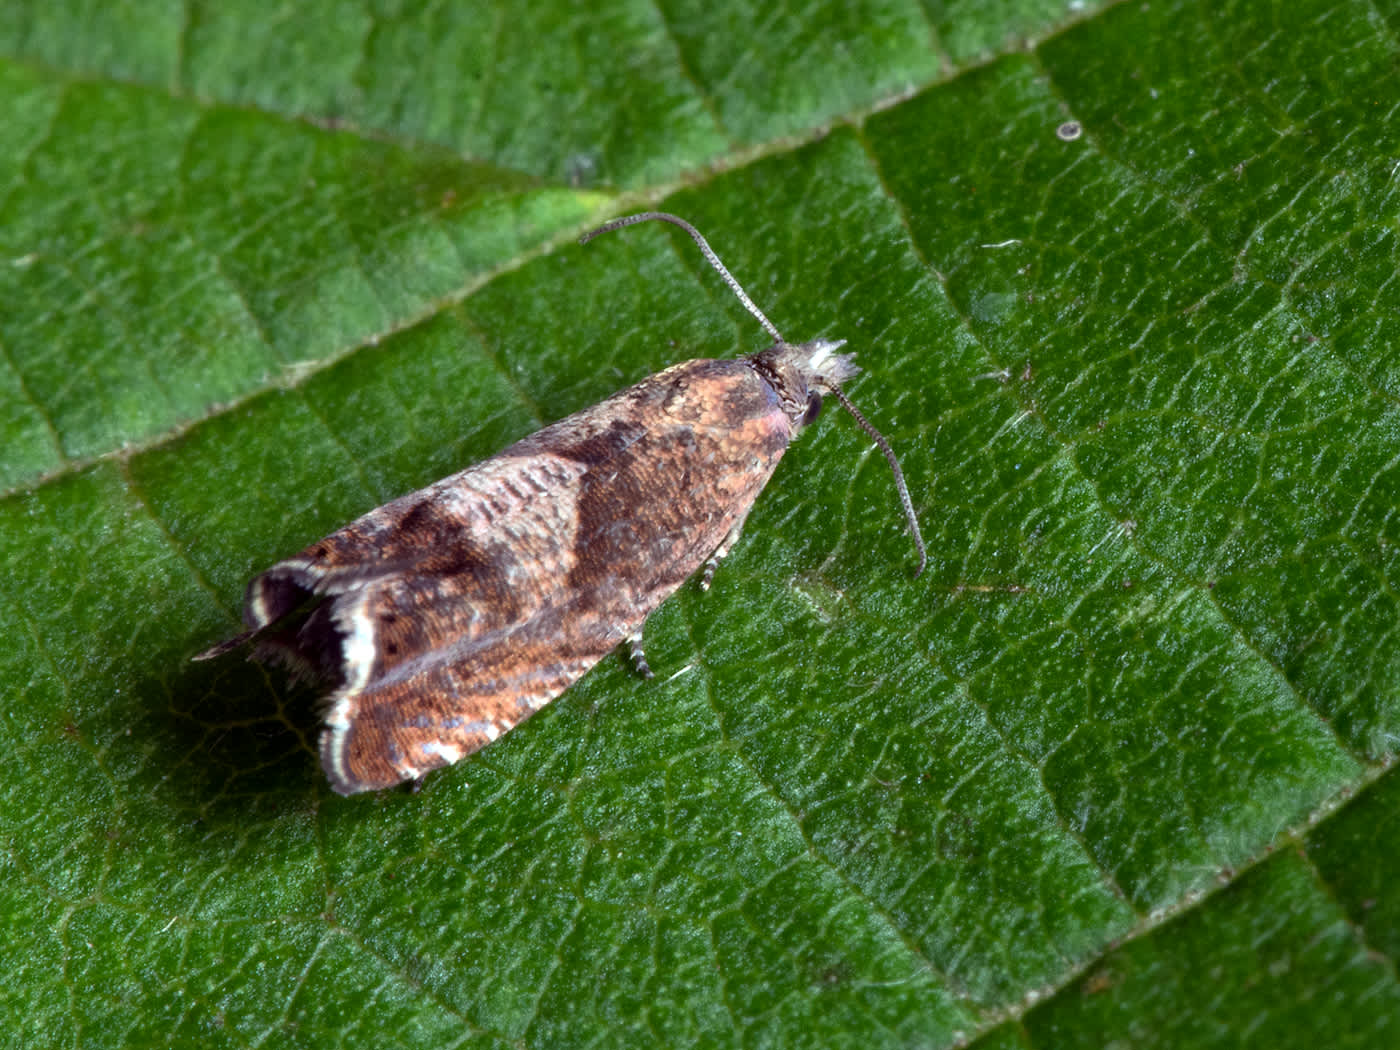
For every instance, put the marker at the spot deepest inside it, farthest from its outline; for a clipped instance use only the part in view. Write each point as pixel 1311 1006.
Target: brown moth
pixel 447 617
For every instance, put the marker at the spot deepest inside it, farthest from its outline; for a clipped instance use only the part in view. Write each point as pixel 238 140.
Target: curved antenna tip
pixel 705 249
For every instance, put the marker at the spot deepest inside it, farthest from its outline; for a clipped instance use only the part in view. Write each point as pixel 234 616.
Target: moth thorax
pixel 800 373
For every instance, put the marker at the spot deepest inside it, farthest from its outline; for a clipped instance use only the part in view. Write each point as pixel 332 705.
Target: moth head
pixel 801 373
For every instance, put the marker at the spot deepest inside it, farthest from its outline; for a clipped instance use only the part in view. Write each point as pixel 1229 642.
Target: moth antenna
pixel 899 484
pixel 705 249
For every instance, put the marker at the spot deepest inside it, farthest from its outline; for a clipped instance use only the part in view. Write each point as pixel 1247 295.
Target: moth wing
pixel 447 616
pixel 664 476
pixel 445 703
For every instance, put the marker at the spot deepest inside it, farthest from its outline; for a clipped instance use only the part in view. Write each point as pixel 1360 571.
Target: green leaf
pixel 1115 771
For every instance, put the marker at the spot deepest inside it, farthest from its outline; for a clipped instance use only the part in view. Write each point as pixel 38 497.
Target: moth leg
pixel 712 563
pixel 639 658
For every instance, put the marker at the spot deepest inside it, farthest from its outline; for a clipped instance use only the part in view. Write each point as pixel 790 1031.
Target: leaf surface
pixel 1115 771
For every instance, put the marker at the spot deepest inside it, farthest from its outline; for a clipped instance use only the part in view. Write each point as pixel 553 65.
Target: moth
pixel 447 617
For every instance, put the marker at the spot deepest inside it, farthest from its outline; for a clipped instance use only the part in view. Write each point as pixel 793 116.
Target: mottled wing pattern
pixel 453 613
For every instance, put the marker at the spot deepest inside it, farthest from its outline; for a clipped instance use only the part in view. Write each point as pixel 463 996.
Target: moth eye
pixel 814 407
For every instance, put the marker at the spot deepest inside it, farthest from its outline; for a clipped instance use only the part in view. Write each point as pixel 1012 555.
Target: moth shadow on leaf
pixel 242 735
